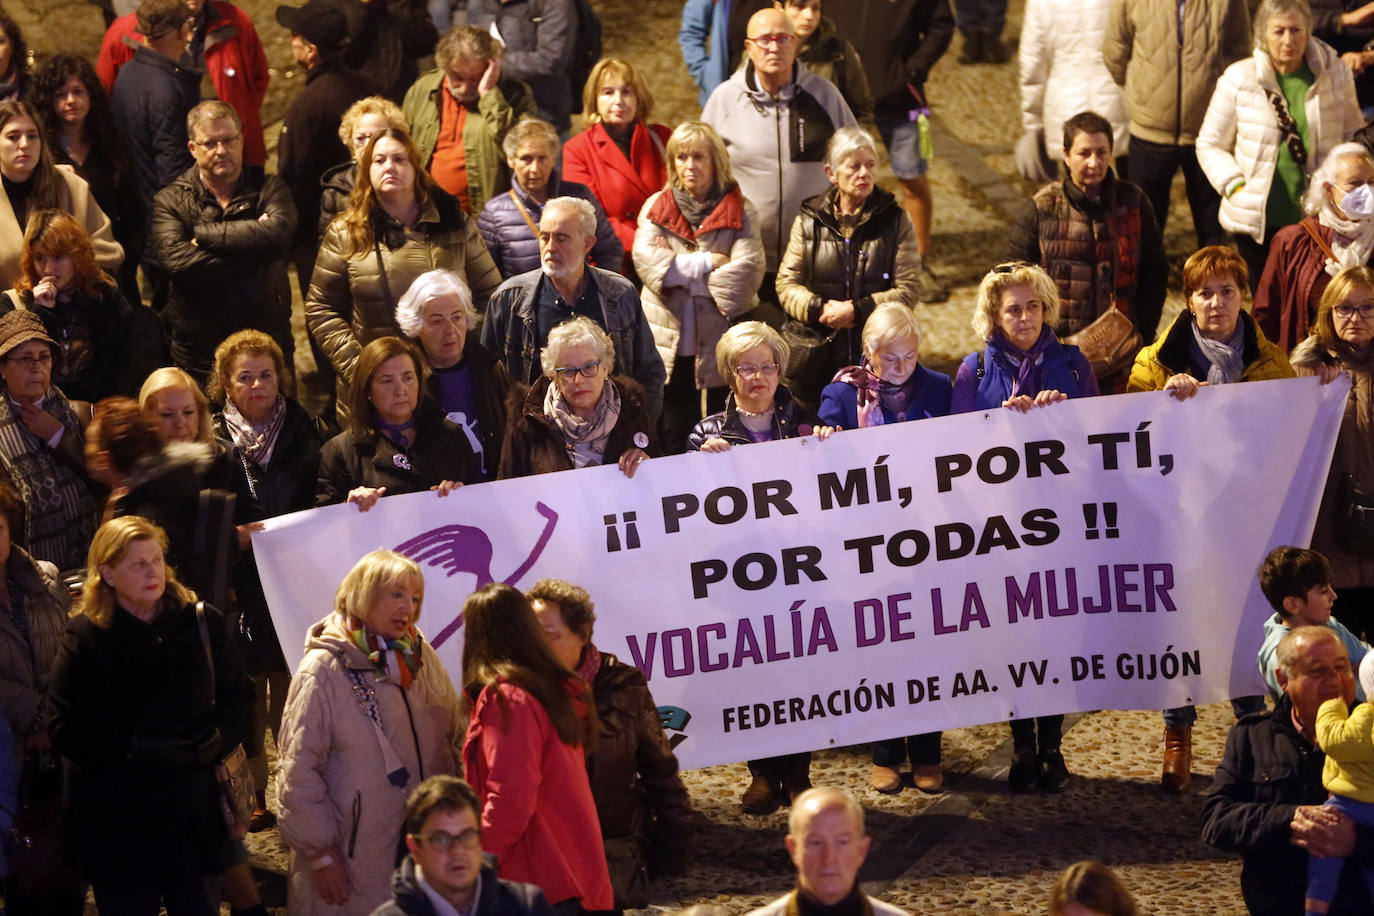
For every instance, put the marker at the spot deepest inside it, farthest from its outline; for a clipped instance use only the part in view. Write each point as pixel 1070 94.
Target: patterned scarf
pixel 585 439
pixel 382 651
pixel 61 516
pixel 874 394
pixel 1222 358
pixel 255 442
pixel 1027 362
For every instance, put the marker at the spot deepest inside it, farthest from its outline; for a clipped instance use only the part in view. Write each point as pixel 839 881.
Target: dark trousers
pixel 1355 608
pixel 1046 731
pixel 789 769
pixel 1254 254
pixel 183 894
pixel 682 404
pixel 1152 166
pixel 923 750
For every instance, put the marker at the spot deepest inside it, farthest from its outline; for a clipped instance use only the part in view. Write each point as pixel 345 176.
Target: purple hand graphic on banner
pixel 467 549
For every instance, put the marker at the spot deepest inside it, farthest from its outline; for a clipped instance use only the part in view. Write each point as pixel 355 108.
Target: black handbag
pixel 811 358
pixel 1355 521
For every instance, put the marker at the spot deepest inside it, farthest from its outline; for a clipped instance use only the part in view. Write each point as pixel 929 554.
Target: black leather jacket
pixel 790 421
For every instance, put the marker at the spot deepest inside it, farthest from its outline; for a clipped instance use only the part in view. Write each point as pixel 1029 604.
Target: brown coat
pixel 535 446
pixel 1292 284
pixel 1354 455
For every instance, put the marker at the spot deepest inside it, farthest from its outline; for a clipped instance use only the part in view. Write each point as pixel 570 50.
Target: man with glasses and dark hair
pixel 221 234
pixel 445 872
pixel 776 118
pixel 525 308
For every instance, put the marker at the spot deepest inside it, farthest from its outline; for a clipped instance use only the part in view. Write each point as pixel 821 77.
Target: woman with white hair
pixel 1272 117
pixel 371 712
pixel 466 379
pixel 510 222
pixel 577 414
pixel 698 252
pixel 1023 366
pixel 852 248
pixel 751 355
pixel 1337 233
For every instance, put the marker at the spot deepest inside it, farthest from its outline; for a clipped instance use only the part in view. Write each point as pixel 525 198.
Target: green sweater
pixel 1284 207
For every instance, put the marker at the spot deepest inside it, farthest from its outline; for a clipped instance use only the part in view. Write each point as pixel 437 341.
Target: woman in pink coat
pixel 531 721
pixel 620 156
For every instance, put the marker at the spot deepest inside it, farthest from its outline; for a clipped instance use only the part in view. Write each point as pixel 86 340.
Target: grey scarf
pixel 1223 358
pixel 585 439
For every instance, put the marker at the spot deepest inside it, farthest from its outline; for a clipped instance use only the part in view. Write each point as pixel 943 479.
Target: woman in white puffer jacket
pixel 1062 74
pixel 1241 146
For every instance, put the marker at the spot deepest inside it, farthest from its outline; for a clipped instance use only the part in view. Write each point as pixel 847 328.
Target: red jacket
pixel 622 186
pixel 233 55
pixel 538 816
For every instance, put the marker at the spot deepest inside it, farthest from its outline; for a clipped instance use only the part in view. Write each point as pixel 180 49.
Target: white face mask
pixel 1359 203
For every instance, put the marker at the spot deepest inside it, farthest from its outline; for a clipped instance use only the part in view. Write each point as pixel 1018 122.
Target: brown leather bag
pixel 1109 344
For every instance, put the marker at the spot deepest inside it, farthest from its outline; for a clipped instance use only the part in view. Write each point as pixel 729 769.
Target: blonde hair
pixel 889 323
pixel 1092 886
pixel 364 583
pixel 108 547
pixel 160 380
pixel 616 67
pixel 690 133
pixel 744 337
pixel 1341 288
pixel 373 104
pixel 987 310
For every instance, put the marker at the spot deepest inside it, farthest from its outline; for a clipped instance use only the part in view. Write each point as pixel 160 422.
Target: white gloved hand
pixel 1031 160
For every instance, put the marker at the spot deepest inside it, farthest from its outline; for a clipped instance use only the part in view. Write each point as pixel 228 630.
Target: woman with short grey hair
pixel 466 379
pixel 1337 233
pixel 510 222
pixel 1272 117
pixel 577 414
pixel 852 248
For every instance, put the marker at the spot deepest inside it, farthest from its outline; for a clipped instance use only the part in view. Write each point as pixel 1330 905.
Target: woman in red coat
pixel 620 156
pixel 531 719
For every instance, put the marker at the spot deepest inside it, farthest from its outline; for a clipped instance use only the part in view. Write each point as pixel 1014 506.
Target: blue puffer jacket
pixel 840 401
pixel 514 247
pixel 702 38
pixel 984 379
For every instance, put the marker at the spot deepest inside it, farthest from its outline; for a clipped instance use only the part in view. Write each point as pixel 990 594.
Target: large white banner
pixel 796 595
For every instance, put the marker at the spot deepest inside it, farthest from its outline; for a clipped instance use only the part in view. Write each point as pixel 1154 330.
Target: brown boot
pixel 1178 760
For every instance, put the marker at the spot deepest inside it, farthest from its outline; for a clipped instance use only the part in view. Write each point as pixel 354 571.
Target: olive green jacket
pixel 499 109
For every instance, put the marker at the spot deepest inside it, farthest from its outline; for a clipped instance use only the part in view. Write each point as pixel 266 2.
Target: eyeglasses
pixel 586 370
pixel 1346 312
pixel 442 841
pixel 775 40
pixel 28 362
pixel 1008 267
pixel 208 145
pixel 767 370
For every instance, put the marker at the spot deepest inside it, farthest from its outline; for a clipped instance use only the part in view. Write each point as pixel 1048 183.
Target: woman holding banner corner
pixel 1212 342
pixel 888 387
pixel 751 356
pixel 1023 366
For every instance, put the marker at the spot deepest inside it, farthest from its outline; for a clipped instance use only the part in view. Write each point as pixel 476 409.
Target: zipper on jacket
pixel 1178 78
pixel 357 819
pixel 777 132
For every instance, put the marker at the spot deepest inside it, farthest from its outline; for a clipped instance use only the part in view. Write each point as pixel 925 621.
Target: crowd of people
pixel 489 295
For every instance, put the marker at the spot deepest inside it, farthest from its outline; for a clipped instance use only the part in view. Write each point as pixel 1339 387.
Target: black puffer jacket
pixel 790 421
pixel 335 186
pixel 535 446
pixel 386 39
pixel 151 97
pixel 234 275
pixel 287 483
pixel 645 813
pixel 1267 771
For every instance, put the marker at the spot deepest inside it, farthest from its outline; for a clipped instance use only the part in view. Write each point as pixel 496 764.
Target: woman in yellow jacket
pixel 1213 342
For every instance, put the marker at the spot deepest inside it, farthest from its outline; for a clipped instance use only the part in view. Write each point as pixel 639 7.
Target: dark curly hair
pixel 99 129
pixel 19 49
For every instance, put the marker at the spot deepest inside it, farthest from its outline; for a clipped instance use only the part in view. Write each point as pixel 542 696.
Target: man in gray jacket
pixel 776 118
pixel 526 307
pixel 1168 55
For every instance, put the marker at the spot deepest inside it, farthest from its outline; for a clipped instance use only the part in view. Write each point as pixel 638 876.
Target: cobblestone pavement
pixel 974 848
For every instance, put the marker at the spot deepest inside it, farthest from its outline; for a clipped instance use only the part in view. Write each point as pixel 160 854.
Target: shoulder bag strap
pixel 525 213
pixel 1321 243
pixel 381 275
pixel 205 644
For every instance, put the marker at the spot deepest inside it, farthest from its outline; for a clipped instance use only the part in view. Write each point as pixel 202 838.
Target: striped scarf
pixel 61 516
pixel 405 652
